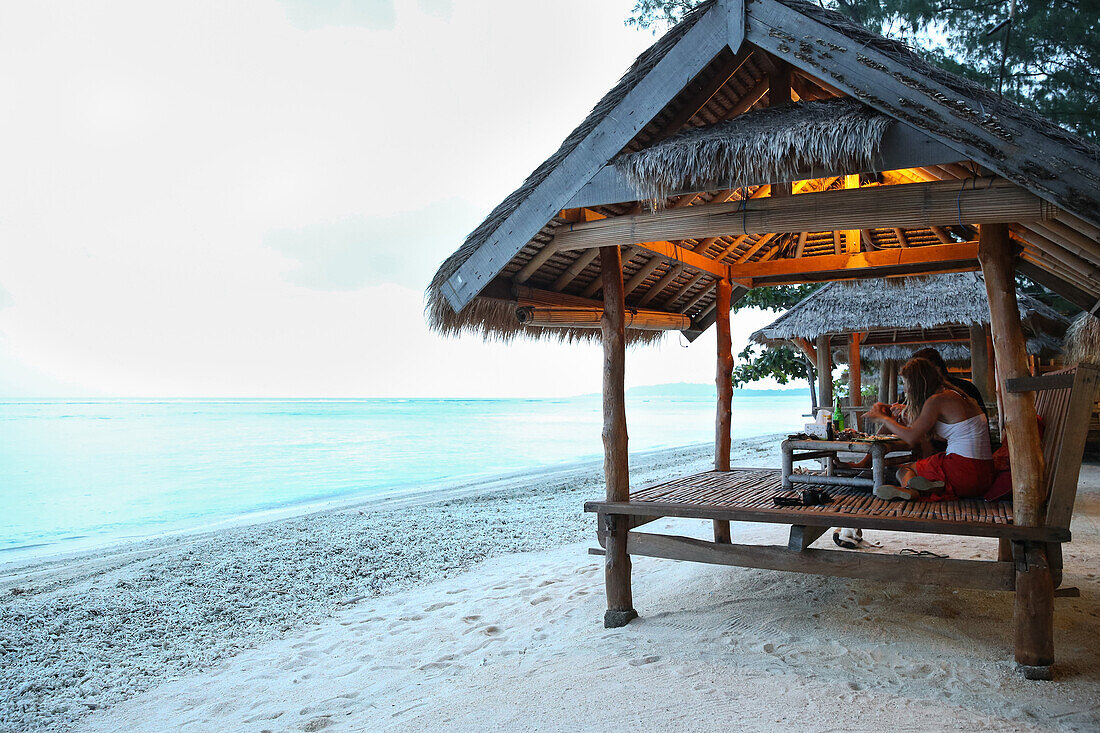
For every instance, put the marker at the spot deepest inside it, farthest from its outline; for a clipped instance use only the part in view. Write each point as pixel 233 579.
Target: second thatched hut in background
pixel 885 321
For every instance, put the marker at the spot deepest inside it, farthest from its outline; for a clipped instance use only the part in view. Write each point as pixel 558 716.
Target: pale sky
pixel 248 198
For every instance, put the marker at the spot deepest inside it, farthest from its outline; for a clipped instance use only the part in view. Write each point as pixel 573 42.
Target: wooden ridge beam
pixel 916 205
pixel 960 257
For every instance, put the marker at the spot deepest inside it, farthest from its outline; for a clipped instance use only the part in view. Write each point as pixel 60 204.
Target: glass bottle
pixel 838 416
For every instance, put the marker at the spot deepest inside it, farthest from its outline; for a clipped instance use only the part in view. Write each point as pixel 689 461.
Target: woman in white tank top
pixel 933 408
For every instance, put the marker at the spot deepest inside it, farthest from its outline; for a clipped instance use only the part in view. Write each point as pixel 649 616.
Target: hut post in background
pixel 824 373
pixel 620 604
pixel 893 396
pixel 855 377
pixel 979 363
pixel 724 381
pixel 1033 614
pixel 811 379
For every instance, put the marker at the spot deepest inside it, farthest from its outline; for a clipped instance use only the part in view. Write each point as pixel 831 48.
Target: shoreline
pixel 24 559
pixel 84 631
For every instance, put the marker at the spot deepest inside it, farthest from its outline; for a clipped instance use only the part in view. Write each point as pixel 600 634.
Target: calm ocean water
pixel 79 473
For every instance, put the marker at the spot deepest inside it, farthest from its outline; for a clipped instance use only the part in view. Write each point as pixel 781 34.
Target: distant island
pixel 686 389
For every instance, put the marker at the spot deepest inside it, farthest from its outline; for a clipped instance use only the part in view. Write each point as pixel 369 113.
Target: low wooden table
pixel 812 449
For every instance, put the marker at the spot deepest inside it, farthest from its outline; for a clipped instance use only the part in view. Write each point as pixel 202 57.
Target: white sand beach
pixel 485 611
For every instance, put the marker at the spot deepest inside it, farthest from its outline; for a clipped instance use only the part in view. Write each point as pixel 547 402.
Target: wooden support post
pixel 1034 608
pixel 802 537
pixel 893 382
pixel 979 363
pixel 824 372
pixel 779 93
pixel 884 381
pixel 620 605
pixel 1033 615
pixel 724 381
pixel 855 376
pixel 852 238
pixel 1021 426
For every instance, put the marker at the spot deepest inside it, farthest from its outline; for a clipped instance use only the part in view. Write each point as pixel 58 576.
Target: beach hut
pixel 884 321
pixel 774 142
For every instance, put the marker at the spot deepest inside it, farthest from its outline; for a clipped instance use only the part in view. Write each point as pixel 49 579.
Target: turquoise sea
pixel 80 473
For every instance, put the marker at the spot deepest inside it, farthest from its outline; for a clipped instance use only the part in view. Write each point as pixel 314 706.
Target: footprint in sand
pixel 644 660
pixel 437 606
pixel 471 619
pixel 317 723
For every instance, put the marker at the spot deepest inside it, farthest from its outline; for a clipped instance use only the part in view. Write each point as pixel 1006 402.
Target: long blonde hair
pixel 921 379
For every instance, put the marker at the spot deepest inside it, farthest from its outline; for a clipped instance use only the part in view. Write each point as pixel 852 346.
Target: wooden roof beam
pixel 668 278
pixel 667 305
pixel 910 206
pixel 961 257
pixel 910 94
pixel 609 134
pixel 702 97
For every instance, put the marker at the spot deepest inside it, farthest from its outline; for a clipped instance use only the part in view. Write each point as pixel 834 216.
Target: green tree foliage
pixel 780 297
pixel 781 364
pixel 1052 55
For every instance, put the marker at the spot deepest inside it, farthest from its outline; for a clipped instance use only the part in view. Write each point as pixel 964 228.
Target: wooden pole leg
pixel 620 603
pixel 1004 550
pixel 1033 615
pixel 722 531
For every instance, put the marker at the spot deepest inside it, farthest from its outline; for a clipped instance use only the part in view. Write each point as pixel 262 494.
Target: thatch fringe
pixel 1083 340
pixel 495 320
pixel 957 354
pixel 901 303
pixel 771 144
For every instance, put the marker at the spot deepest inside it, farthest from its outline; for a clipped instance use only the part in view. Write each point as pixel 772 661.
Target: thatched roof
pixel 908 310
pixel 1083 340
pixel 905 303
pixel 770 144
pixel 513 244
pixel 1043 345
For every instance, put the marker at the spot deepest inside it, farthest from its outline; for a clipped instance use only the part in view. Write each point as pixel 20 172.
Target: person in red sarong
pixel 935 409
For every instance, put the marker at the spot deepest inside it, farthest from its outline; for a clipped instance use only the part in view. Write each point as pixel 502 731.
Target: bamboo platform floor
pixel 745 494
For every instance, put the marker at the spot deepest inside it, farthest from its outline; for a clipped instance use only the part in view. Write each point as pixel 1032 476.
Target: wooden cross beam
pixel 961 257
pixel 916 205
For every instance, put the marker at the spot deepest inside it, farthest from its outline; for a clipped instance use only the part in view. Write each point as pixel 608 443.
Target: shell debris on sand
pixel 83 633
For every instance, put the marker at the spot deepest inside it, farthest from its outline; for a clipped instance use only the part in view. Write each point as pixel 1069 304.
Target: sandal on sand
pixel 921 484
pixel 849 539
pixel 888 492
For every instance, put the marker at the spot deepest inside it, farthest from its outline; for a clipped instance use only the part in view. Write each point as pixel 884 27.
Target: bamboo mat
pixel 753 488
